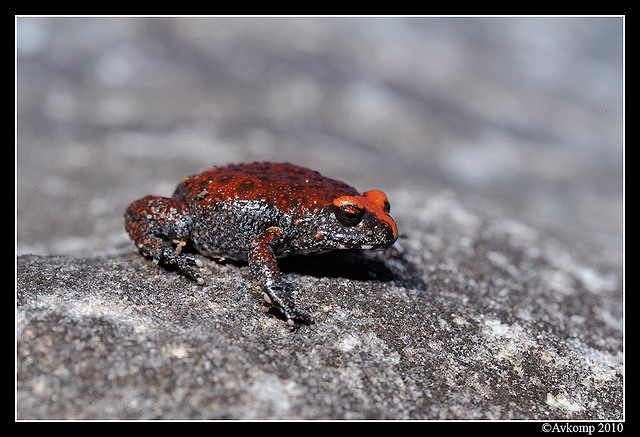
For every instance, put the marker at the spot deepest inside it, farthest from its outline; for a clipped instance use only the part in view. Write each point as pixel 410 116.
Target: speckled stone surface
pixel 498 142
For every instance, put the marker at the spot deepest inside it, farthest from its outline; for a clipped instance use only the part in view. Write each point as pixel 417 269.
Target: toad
pixel 257 213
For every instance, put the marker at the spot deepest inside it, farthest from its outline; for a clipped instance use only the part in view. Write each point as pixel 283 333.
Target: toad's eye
pixel 387 206
pixel 348 214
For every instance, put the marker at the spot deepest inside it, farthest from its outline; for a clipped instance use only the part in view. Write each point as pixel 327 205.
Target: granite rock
pixel 490 321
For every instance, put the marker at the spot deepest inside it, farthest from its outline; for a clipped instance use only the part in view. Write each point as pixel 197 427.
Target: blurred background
pixel 513 117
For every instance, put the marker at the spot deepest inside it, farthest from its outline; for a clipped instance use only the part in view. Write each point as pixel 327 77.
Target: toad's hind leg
pixel 159 227
pixel 264 268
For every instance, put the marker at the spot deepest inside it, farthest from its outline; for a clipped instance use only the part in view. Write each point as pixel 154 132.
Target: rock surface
pixel 498 142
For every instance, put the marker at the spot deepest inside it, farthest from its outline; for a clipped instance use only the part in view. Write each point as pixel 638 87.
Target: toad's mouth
pixel 356 246
pixel 382 245
pixel 380 242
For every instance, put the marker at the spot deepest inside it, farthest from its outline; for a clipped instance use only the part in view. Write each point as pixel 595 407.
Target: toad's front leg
pixel 264 268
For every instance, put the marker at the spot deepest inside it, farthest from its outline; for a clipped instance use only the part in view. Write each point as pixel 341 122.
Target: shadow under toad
pixel 358 265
